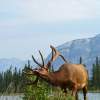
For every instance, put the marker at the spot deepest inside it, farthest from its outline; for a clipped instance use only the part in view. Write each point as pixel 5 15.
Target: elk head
pixel 44 68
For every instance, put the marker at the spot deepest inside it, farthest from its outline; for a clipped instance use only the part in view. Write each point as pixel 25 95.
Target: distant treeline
pixel 13 81
pixel 94 82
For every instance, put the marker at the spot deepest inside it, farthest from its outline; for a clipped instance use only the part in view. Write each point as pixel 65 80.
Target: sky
pixel 27 26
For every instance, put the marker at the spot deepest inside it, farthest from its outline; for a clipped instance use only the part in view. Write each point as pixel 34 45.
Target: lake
pixel 90 96
pixel 17 97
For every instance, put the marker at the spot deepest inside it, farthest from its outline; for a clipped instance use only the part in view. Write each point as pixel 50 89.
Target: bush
pixel 43 91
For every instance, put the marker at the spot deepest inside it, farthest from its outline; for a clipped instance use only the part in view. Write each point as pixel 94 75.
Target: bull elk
pixel 71 76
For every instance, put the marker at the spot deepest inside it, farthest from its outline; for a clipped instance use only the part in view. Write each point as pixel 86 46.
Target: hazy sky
pixel 29 25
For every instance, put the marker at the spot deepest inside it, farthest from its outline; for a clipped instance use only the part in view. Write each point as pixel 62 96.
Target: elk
pixel 71 76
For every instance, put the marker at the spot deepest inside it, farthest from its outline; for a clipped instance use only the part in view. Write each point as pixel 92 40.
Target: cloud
pixel 58 10
pixel 37 11
pixel 28 24
pixel 49 10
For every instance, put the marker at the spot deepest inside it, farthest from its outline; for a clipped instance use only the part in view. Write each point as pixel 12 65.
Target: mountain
pixel 14 62
pixel 88 49
pixel 6 63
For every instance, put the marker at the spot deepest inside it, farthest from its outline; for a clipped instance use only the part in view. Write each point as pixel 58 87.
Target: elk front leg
pixel 64 90
pixel 75 92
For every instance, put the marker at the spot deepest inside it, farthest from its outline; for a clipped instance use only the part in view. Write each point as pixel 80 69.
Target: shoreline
pixel 20 94
pixel 11 94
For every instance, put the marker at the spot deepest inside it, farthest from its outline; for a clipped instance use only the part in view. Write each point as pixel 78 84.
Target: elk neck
pixel 51 77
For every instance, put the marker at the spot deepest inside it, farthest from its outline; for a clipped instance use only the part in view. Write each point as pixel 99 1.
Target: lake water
pixel 90 96
pixel 17 97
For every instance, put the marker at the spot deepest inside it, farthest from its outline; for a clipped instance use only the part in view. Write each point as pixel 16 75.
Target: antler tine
pixel 36 61
pixel 49 63
pixel 54 57
pixel 57 53
pixel 41 57
pixel 63 58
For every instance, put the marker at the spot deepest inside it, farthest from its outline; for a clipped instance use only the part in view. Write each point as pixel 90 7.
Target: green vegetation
pixel 43 91
pixel 10 81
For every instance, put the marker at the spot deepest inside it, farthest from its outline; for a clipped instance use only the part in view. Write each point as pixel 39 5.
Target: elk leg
pixel 76 97
pixel 74 92
pixel 64 90
pixel 85 92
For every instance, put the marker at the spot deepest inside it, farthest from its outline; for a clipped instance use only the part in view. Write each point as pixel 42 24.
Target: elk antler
pixel 54 57
pixel 42 58
pixel 63 58
pixel 58 53
pixel 36 61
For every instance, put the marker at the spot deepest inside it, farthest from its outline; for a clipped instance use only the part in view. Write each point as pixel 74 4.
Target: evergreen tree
pixel 81 61
pixel 96 74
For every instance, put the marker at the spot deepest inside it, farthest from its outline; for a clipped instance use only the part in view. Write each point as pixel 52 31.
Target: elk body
pixel 71 76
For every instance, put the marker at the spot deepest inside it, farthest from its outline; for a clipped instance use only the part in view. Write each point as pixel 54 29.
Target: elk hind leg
pixel 76 97
pixel 85 92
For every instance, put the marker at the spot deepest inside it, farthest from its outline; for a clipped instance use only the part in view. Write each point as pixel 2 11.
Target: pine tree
pixel 81 61
pixel 96 74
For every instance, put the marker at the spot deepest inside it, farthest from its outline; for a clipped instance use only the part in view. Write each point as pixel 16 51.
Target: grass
pixel 59 95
